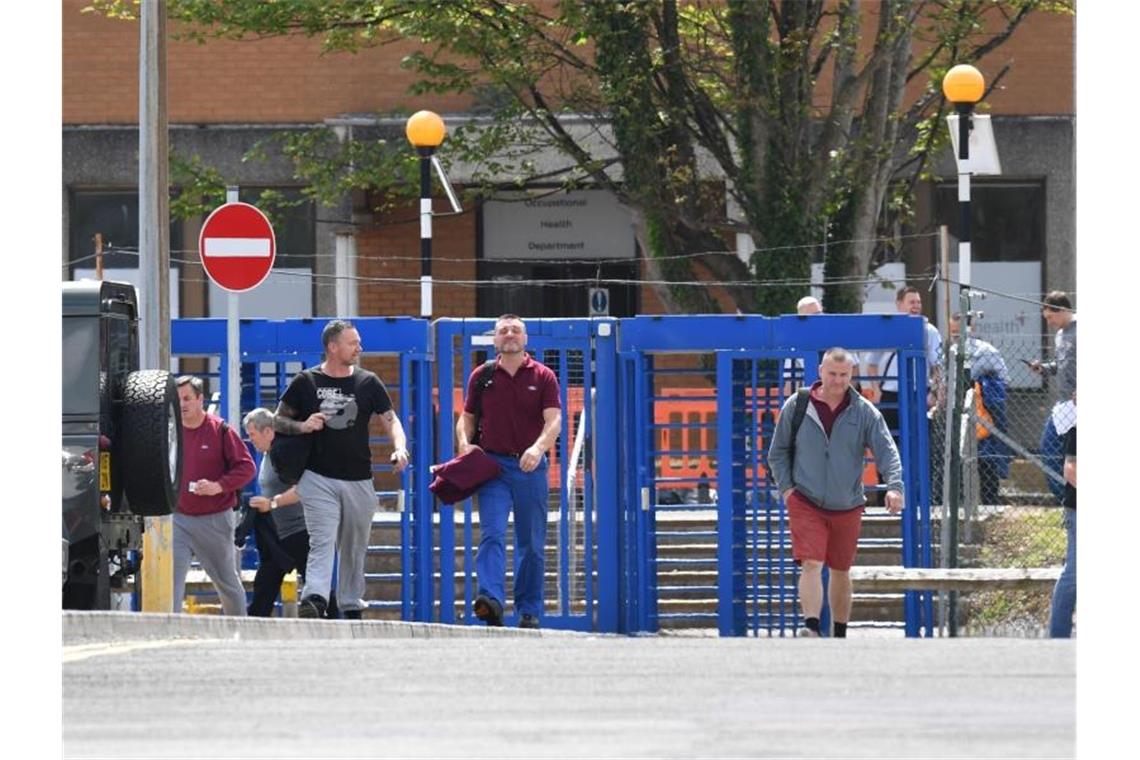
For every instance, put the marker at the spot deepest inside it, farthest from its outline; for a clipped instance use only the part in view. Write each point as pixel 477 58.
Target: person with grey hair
pixel 215 467
pixel 816 461
pixel 334 402
pixel 279 523
pixel 809 305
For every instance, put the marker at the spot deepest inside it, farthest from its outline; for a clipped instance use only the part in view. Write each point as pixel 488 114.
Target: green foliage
pixel 679 84
pixel 1031 537
pixel 1024 538
pixel 197 189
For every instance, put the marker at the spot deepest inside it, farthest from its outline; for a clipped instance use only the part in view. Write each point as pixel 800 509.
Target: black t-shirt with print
pixel 341 448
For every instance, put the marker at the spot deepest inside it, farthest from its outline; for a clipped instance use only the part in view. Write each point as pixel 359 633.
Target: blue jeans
pixel 1053 457
pixel 1065 592
pixel 526 493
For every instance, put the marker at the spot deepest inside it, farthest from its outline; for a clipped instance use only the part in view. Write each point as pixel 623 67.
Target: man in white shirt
pixel 885 392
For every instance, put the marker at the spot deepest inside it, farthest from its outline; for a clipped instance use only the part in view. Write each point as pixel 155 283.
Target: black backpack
pixel 802 398
pixel 289 454
pixel 483 382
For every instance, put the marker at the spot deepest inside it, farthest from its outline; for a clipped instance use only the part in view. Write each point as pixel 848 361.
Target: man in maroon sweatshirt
pixel 216 465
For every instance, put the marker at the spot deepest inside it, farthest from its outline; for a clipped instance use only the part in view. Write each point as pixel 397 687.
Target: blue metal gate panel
pixel 755 572
pixel 298 343
pixel 580 352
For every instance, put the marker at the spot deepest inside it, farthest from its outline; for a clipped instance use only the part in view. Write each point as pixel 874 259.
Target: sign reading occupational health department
pixel 537 225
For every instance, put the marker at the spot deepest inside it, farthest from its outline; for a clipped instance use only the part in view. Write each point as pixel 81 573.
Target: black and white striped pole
pixel 425 131
pixel 963 86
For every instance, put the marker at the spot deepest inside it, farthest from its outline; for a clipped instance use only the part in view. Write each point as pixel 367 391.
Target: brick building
pixel 223 96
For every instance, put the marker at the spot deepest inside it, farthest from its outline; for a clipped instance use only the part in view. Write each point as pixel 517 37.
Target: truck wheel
pixel 151 443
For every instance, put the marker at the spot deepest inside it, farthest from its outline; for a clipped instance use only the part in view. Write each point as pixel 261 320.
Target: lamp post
pixel 963 86
pixel 425 131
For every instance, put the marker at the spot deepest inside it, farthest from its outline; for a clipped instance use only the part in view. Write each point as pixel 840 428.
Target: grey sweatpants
pixel 211 539
pixel 338 515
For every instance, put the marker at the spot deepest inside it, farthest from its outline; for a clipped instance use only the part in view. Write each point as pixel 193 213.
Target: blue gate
pixel 272 352
pixel 745 366
pixel 660 494
pixel 580 588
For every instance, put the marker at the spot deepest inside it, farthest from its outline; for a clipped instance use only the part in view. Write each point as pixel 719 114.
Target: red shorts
pixel 822 535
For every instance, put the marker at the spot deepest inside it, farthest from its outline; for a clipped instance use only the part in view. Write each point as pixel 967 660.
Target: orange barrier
pixel 691 450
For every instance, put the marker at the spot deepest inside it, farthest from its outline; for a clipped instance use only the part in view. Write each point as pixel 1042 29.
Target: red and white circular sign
pixel 237 246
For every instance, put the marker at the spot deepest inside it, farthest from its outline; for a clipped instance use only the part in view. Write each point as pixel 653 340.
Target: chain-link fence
pixel 1012 412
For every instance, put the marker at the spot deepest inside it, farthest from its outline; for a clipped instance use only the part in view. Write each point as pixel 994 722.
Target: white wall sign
pixel 582 224
pixel 284 294
pixel 878 293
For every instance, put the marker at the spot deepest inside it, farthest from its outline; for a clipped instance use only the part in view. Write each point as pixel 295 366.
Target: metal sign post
pixel 233 346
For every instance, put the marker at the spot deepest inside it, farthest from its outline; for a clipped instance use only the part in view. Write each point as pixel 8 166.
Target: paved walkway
pixel 339 689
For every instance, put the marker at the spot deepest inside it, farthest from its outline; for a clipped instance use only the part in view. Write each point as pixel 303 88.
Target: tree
pixel 809 135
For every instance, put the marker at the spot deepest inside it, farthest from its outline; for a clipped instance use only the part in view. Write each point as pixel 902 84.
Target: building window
pixel 294 226
pixel 115 215
pixel 1007 219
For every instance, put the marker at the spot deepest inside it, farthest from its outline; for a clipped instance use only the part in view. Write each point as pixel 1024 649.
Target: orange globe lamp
pixel 425 129
pixel 963 84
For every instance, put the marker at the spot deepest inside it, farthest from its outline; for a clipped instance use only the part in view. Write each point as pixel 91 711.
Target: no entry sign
pixel 237 247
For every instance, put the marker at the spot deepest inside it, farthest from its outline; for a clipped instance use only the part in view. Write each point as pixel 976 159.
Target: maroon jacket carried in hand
pixel 458 478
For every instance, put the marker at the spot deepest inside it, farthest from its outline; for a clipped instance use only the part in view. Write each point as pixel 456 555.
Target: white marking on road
pixel 79 652
pixel 234 246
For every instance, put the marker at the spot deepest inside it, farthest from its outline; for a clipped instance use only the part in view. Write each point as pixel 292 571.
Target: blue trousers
pixel 1065 592
pixel 526 493
pixel 1053 457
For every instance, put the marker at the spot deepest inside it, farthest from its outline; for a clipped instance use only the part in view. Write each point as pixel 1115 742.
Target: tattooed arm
pixel 284 422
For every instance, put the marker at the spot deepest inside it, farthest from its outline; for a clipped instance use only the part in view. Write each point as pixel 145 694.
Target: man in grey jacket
pixel 820 475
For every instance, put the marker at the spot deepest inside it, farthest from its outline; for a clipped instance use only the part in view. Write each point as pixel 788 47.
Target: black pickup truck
pixel 122 442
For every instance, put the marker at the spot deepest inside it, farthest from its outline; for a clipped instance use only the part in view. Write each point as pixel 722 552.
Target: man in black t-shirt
pixel 334 401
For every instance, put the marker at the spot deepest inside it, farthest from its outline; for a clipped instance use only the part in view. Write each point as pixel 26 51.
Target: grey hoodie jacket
pixel 830 472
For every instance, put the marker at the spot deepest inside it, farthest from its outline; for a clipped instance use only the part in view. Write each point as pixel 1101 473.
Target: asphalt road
pixel 566 696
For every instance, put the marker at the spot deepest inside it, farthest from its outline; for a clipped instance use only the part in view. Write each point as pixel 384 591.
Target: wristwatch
pixel 273 503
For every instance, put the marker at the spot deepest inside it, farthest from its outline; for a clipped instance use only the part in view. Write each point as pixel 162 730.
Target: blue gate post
pixel 607 444
pixel 630 380
pixel 441 340
pixel 731 431
pixel 645 517
pixel 922 494
pixel 918 605
pixel 423 499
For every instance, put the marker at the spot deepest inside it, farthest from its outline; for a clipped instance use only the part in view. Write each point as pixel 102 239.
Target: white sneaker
pixel 806 633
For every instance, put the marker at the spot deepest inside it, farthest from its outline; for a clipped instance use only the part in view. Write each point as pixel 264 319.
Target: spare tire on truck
pixel 150 442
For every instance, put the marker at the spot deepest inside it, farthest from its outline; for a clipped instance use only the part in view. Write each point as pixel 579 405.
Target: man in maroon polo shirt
pixel 521 418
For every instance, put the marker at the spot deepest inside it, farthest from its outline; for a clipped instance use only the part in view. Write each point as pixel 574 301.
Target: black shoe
pixel 489 610
pixel 352 615
pixel 529 621
pixel 313 606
